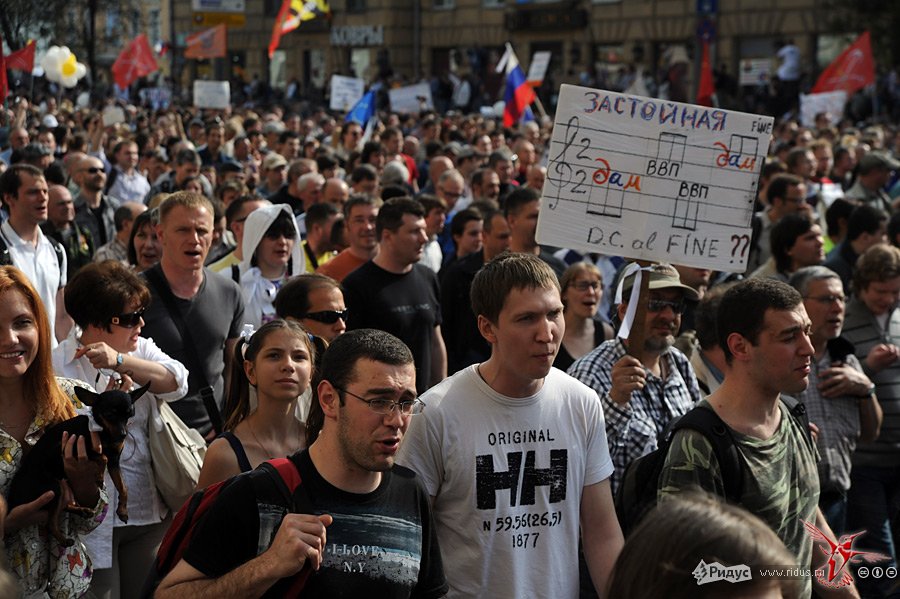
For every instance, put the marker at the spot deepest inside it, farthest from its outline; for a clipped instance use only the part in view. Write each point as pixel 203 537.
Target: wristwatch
pixel 120 358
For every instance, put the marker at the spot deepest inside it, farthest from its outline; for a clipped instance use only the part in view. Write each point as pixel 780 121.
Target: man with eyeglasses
pixel 641 397
pixel 840 398
pixel 514 452
pixel 381 540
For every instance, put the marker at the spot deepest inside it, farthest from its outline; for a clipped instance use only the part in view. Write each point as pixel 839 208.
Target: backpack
pixel 637 493
pixel 280 473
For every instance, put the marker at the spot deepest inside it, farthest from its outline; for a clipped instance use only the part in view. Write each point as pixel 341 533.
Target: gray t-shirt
pixel 214 315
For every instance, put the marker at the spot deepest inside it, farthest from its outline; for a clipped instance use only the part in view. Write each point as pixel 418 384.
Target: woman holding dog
pixel 276 363
pixel 107 301
pixel 31 399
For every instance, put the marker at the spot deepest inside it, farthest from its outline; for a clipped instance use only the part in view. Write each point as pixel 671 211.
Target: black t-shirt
pixel 404 305
pixel 464 342
pixel 381 544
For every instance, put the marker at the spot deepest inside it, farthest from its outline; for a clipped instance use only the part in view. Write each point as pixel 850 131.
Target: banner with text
pixel 212 94
pixel 653 180
pixel 346 92
pixel 411 99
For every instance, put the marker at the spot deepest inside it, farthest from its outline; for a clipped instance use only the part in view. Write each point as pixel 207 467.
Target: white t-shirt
pixel 507 476
pixel 789 70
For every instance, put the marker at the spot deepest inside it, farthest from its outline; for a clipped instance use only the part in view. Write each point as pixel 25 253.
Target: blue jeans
pixel 871 507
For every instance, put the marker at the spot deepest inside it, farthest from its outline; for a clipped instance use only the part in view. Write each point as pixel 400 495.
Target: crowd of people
pixel 373 303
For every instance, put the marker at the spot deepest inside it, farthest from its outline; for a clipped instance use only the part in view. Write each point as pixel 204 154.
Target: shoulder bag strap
pixel 168 298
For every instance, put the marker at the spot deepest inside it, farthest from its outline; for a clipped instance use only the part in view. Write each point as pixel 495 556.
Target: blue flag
pixel 363 110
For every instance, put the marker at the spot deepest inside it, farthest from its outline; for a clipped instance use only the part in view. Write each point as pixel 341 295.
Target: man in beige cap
pixel 641 397
pixel 274 174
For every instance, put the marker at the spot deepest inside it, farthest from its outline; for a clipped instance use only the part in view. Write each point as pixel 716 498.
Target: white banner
pixel 654 180
pixel 538 68
pixel 830 102
pixel 346 92
pixel 411 99
pixel 212 94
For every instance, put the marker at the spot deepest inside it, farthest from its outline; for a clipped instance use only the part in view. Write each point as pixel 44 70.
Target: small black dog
pixel 42 467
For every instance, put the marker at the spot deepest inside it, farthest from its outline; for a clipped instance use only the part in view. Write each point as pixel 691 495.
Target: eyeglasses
pixel 385 407
pixel 128 320
pixel 585 285
pixel 658 305
pixel 328 316
pixel 93 170
pixel 451 194
pixel 827 299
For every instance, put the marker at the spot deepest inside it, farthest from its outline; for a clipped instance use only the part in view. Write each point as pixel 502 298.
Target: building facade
pixel 590 40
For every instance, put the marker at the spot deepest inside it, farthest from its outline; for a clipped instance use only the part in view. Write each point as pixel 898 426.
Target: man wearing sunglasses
pixel 381 540
pixel 641 397
pixel 94 209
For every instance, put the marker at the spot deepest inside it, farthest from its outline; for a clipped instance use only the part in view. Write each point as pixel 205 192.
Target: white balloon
pixel 53 64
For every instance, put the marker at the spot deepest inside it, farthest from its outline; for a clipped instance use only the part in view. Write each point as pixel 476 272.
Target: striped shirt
pixel 863 330
pixel 632 429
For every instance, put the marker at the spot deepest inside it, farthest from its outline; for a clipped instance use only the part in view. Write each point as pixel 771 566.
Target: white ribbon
pixel 637 270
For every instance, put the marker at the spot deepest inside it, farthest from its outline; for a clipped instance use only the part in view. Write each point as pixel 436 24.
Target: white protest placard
pixel 831 102
pixel 113 115
pixel 652 180
pixel 755 71
pixel 411 99
pixel 212 94
pixel 538 68
pixel 346 92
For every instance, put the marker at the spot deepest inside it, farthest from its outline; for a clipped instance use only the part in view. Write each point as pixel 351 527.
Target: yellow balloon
pixel 68 67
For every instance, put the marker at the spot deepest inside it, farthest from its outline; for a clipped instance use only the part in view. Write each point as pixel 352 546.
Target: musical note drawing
pixel 561 172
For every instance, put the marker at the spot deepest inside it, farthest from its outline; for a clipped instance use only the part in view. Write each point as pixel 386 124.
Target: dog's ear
pixel 136 394
pixel 86 396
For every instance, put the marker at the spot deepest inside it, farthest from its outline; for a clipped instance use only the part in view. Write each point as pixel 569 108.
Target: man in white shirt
pixel 26 195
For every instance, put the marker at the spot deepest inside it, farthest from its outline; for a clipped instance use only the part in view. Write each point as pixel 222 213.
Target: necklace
pixel 270 454
pixel 265 449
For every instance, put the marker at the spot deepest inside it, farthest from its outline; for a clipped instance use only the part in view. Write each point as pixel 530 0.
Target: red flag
pixel 4 86
pixel 276 29
pixel 22 59
pixel 209 43
pixel 851 71
pixel 135 61
pixel 707 87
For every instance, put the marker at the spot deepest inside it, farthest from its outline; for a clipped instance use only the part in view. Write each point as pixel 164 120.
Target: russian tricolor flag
pixel 519 95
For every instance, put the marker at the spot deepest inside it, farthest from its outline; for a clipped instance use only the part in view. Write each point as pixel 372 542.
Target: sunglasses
pixel 93 170
pixel 328 316
pixel 658 305
pixel 129 320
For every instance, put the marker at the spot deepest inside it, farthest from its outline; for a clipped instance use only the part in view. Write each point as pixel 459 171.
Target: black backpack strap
pixel 236 273
pixel 58 248
pixel 798 411
pixel 156 280
pixel 5 258
pixel 705 421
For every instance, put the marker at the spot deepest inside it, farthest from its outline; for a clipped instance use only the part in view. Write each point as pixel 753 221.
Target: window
pixel 444 4
pixel 494 3
pixel 277 78
pixel 356 5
